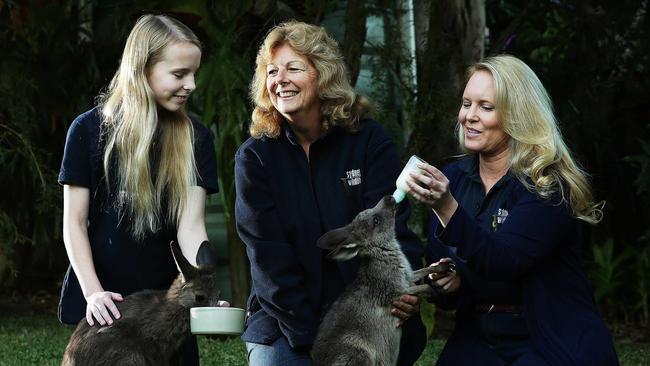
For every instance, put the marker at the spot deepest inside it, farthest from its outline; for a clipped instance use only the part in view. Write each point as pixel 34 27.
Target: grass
pixel 40 340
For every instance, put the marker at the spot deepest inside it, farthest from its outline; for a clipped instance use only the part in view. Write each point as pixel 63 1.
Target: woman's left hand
pixel 405 307
pixel 445 282
pixel 431 187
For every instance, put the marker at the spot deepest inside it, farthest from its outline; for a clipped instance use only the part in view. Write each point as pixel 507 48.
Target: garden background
pixel 408 56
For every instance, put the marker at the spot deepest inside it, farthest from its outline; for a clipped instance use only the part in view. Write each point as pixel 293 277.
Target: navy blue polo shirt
pixel 286 201
pixel 512 239
pixel 123 264
pixel 489 212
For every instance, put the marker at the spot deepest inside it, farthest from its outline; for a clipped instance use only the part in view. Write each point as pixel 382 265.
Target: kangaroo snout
pixel 389 201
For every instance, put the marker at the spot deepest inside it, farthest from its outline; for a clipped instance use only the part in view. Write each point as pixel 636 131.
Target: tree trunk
pixel 449 36
pixel 447 40
pixel 507 34
pixel 238 265
pixel 355 36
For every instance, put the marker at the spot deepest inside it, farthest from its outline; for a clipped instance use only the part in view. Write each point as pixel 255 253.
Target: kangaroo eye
pixel 199 298
pixel 375 220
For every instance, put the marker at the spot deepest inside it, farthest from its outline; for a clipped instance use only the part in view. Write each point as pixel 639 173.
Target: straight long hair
pixel 131 124
pixel 537 150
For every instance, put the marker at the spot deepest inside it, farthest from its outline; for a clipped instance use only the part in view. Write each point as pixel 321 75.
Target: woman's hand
pixel 431 187
pixel 405 307
pixel 101 305
pixel 445 282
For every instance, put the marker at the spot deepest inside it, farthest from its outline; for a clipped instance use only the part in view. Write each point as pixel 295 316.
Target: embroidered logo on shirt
pixel 499 218
pixel 352 178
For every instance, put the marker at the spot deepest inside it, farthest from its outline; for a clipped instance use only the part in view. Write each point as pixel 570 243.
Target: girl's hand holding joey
pixel 445 282
pixel 430 186
pixel 101 305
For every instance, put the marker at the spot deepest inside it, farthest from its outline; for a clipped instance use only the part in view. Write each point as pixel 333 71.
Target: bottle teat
pixel 399 195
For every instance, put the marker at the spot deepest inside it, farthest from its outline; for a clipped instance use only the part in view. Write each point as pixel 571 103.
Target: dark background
pixel 593 57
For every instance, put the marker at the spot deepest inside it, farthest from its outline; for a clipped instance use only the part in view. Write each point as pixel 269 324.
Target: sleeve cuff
pixel 73 178
pixel 452 233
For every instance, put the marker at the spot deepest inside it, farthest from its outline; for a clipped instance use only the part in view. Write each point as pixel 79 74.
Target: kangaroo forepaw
pixel 442 267
pixel 421 290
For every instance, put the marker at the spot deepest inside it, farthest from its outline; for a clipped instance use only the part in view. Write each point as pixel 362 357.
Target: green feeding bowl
pixel 217 320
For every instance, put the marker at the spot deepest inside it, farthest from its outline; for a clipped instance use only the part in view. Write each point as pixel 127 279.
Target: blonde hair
pixel 340 106
pixel 537 150
pixel 130 121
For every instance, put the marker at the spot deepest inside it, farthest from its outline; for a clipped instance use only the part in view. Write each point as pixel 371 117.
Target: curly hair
pixel 340 105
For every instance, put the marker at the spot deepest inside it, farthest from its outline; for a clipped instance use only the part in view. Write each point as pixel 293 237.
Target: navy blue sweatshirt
pixel 286 201
pixel 514 247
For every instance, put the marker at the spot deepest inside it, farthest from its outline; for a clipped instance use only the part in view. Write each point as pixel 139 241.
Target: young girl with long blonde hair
pixel 135 174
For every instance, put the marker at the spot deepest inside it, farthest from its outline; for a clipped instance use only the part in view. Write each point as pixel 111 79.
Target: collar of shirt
pixel 293 139
pixel 471 167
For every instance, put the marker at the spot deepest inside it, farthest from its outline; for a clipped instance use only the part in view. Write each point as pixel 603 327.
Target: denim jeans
pixel 278 353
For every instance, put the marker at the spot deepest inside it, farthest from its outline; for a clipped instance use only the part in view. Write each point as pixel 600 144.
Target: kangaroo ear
pixel 187 270
pixel 340 242
pixel 206 256
pixel 333 238
pixel 345 252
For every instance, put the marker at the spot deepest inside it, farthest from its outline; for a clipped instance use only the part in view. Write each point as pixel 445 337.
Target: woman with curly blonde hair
pixel 510 214
pixel 313 162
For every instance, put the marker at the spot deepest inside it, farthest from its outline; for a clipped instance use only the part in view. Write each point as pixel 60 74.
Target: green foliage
pixel 643 287
pixel 32 340
pixel 641 163
pixel 633 354
pixel 42 46
pixel 40 340
pixel 386 58
pixel 609 271
pixel 49 74
pixel 431 352
pixel 621 279
pixel 222 96
pixel 222 91
pixel 592 56
pixel 230 352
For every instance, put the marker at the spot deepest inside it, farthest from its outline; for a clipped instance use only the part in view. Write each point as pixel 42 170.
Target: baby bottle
pixel 402 188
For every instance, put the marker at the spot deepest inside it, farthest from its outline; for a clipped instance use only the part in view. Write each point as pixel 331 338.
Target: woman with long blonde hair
pixel 313 162
pixel 135 174
pixel 510 214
